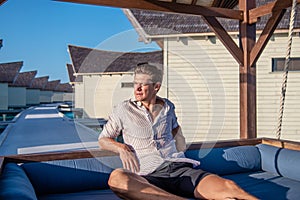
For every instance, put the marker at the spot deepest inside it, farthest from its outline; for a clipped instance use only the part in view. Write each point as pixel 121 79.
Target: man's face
pixel 144 88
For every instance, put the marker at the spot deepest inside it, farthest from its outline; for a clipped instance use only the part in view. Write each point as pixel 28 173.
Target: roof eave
pixel 137 26
pixel 102 73
pixel 233 33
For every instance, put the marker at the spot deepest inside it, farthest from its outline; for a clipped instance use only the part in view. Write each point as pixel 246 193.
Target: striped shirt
pixel 152 140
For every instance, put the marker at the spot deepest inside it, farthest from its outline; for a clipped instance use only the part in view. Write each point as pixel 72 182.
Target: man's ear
pixel 157 86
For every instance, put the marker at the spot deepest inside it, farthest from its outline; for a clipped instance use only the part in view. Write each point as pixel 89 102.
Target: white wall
pixel 46 96
pixel 68 96
pixel 269 92
pixel 58 97
pixel 79 95
pixel 32 96
pixel 97 95
pixel 3 96
pixel 62 96
pixel 16 96
pixel 102 93
pixel 204 85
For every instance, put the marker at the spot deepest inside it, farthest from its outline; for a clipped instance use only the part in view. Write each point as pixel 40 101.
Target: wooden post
pixel 247 74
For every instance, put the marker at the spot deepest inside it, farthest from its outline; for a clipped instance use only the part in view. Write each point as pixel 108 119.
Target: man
pixel 152 153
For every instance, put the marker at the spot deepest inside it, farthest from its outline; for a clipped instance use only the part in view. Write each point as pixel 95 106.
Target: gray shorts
pixel 178 178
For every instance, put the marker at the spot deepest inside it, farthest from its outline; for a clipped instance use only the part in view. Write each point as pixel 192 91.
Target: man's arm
pixel 179 139
pixel 127 154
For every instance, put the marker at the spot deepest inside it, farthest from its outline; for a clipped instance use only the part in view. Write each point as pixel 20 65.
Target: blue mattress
pixel 266 185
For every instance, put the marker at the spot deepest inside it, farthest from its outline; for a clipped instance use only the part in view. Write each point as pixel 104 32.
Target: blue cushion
pixel 284 162
pixel 227 160
pixel 86 195
pixel 14 184
pixel 266 185
pixel 51 179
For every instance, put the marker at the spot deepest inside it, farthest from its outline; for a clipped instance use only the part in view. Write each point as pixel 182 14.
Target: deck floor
pixel 44 129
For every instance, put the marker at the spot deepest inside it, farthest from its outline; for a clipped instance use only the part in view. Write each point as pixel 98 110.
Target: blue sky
pixel 38 32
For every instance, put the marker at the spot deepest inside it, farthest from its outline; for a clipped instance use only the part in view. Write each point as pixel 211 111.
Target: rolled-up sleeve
pixel 173 115
pixel 113 127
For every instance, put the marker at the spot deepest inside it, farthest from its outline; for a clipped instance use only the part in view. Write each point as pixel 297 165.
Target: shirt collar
pixel 139 104
pixel 135 102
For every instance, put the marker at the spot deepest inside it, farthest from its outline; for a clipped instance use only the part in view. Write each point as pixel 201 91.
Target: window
pixel 127 85
pixel 278 64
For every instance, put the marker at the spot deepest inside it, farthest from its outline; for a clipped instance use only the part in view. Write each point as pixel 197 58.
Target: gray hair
pixel 154 70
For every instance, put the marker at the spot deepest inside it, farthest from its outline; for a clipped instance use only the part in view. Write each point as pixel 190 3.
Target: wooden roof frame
pixel 2 2
pixel 246 53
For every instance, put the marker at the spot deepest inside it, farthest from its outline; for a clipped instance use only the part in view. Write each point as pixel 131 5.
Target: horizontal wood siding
pixel 203 82
pixel 79 95
pixel 46 96
pixel 58 97
pixel 32 96
pixel 16 96
pixel 3 96
pixel 68 96
pixel 99 94
pixel 269 92
pixel 104 92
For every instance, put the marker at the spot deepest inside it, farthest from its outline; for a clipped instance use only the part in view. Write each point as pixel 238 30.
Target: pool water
pixel 2 128
pixel 68 114
pixel 7 117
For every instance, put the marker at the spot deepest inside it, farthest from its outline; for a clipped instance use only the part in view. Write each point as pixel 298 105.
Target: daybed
pixel 261 166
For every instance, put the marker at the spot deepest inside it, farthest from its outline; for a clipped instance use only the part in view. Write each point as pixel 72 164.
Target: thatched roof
pixel 72 77
pixel 87 60
pixel 39 83
pixel 9 71
pixel 24 79
pixel 64 87
pixel 153 23
pixel 51 85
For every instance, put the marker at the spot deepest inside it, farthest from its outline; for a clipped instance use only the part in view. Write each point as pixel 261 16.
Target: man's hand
pixel 127 153
pixel 129 158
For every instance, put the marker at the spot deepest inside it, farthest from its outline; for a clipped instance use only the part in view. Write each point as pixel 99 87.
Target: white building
pixel 203 78
pixel 36 87
pixel 8 74
pixel 19 95
pixel 3 96
pixel 63 93
pixel 77 85
pixel 104 77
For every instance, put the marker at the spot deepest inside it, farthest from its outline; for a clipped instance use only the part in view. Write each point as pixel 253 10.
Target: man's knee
pixel 230 185
pixel 214 186
pixel 118 179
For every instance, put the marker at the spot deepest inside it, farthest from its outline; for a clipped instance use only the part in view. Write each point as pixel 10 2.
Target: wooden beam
pixel 138 4
pixel 225 38
pixel 39 157
pixel 156 5
pixel 216 3
pixel 247 76
pixel 268 8
pixel 282 143
pixel 224 143
pixel 194 2
pixel 200 10
pixel 265 36
pixel 160 43
pixel 2 2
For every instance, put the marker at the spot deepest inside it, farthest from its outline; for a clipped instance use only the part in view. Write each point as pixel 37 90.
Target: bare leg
pixel 128 185
pixel 215 187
